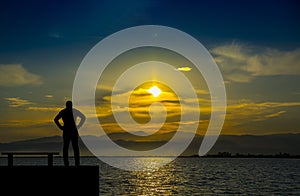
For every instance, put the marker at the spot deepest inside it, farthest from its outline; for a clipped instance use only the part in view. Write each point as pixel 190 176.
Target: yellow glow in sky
pixel 184 68
pixel 155 91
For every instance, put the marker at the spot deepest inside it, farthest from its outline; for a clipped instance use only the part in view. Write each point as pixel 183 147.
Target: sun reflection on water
pixel 139 163
pixel 153 181
pixel 156 181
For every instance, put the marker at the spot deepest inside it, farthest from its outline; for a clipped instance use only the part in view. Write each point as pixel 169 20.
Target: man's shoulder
pixel 60 113
pixel 77 112
pixel 63 111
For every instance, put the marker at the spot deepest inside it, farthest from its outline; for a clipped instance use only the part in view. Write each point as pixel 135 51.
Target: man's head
pixel 69 104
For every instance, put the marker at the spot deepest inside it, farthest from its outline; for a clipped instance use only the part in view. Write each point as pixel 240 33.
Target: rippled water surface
pixel 195 176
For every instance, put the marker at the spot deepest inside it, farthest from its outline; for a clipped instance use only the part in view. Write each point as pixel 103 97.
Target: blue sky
pixel 255 43
pixel 34 24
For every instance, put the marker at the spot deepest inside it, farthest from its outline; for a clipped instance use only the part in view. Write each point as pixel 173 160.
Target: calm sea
pixel 194 176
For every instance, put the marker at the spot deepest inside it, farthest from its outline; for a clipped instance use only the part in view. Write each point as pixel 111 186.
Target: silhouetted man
pixel 70 130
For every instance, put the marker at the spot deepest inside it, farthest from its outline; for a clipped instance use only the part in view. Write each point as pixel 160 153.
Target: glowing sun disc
pixel 155 91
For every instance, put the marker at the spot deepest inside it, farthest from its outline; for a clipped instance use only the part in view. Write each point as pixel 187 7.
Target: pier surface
pixel 49 180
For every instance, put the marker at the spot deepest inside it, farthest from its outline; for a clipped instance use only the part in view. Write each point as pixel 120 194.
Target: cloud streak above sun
pixel 184 69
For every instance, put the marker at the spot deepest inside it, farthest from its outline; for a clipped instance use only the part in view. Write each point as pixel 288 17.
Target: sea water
pixel 192 176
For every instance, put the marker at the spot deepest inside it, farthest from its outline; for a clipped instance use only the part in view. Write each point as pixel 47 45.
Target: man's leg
pixel 66 149
pixel 76 149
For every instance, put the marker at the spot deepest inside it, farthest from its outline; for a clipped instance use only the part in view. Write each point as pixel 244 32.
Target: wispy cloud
pixel 241 63
pixel 276 114
pixel 202 92
pixel 17 102
pixel 43 109
pixel 263 105
pixel 56 35
pixel 49 96
pixel 239 113
pixel 26 123
pixel 17 75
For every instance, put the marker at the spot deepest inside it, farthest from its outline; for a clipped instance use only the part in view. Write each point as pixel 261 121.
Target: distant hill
pixel 244 144
pixel 251 144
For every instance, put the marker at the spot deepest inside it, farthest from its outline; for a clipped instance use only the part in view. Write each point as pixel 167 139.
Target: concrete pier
pixel 49 180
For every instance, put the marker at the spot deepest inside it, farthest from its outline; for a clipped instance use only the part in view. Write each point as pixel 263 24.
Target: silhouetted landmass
pixel 250 145
pixel 229 155
pixel 279 145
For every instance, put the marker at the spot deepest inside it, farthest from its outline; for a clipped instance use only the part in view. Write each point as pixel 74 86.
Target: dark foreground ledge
pixel 45 180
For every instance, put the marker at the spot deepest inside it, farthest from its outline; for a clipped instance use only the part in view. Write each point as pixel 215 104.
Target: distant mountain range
pixel 244 144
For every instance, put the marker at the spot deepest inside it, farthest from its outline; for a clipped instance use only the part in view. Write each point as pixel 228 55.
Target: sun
pixel 155 91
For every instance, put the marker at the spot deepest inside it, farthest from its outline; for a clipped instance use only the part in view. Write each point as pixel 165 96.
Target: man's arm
pixel 56 120
pixel 82 118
